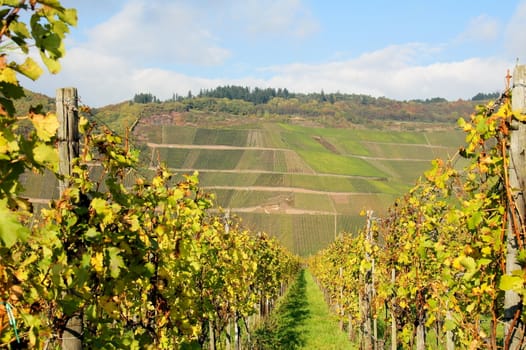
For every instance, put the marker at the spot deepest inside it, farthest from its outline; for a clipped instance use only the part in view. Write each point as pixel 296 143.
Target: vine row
pixel 435 265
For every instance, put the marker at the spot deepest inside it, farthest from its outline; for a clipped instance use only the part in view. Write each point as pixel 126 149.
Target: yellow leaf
pixel 519 116
pixel 110 306
pixel 45 125
pixel 29 68
pixel 97 262
pixel 486 251
pixel 8 75
pixel 457 263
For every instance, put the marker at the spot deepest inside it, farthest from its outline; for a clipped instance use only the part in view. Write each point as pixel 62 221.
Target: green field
pixel 301 184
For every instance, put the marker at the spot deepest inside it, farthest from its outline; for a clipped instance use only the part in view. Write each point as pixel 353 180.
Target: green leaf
pixel 509 282
pixel 99 205
pixel 521 257
pixel 11 230
pixel 92 232
pixel 69 16
pixel 46 155
pixel 469 263
pixel 484 261
pixel 19 28
pixel 116 261
pixel 8 75
pixel 150 268
pixel 52 3
pixel 449 325
pixel 11 91
pixel 471 307
pixel 474 220
pixel 52 64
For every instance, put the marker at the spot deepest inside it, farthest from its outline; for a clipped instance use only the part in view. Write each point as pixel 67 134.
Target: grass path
pixel 320 329
pixel 302 321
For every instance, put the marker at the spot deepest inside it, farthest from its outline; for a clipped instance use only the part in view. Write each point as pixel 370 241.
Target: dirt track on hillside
pixel 225 148
pixel 283 189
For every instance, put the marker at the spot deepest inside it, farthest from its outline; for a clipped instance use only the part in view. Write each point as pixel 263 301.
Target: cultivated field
pixel 304 185
pixel 301 184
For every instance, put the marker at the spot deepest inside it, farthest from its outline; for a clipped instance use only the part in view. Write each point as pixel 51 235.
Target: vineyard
pixel 132 257
pixel 445 267
pixel 277 179
pixel 261 172
pixel 118 260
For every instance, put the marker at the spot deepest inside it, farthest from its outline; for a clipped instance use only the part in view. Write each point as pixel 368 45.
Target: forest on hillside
pixel 356 108
pixel 226 106
pixel 233 105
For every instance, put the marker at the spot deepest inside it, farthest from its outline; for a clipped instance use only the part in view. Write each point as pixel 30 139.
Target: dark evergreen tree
pixel 145 98
pixel 482 96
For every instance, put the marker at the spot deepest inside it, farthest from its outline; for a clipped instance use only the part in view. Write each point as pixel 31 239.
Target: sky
pixel 407 49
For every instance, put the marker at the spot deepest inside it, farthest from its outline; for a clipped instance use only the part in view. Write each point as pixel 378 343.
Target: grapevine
pixel 444 241
pixel 142 260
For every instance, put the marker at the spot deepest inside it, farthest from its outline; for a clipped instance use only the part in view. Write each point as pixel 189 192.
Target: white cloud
pixel 375 73
pixel 158 32
pixel 133 51
pixel 104 79
pixel 482 29
pixel 275 17
pixel 516 35
pixel 164 32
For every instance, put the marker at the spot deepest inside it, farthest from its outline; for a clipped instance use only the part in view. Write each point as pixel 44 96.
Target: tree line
pixel 259 95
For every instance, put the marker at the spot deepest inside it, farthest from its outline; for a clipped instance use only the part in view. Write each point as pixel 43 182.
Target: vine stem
pixel 10 18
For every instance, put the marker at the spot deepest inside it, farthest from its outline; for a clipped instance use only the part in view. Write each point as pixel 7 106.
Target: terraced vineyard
pixel 301 184
pixel 304 185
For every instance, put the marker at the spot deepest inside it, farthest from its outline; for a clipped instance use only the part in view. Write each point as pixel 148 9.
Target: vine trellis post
pixel 514 331
pixel 68 132
pixel 369 339
pixel 68 149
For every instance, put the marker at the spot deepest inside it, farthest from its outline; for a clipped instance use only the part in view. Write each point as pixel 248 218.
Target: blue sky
pixel 397 49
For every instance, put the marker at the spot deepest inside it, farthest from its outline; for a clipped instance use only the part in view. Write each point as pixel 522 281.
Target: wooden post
pixel 228 343
pixel 514 331
pixel 394 344
pixel 420 336
pixel 68 149
pixel 375 321
pixel 350 329
pixel 450 342
pixel 237 333
pixel 335 225
pixel 368 336
pixel 211 335
pixel 340 300
pixel 68 131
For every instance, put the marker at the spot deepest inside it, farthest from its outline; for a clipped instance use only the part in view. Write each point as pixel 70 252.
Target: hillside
pixel 303 177
pixel 334 110
pixel 302 184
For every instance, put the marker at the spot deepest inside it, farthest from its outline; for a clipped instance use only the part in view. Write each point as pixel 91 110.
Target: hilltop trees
pixel 145 98
pixel 485 96
pixel 256 95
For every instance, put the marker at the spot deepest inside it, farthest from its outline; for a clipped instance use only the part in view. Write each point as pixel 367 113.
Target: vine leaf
pixel 116 261
pixel 29 69
pixel 45 125
pixel 510 282
pixel 11 230
pixel 46 155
